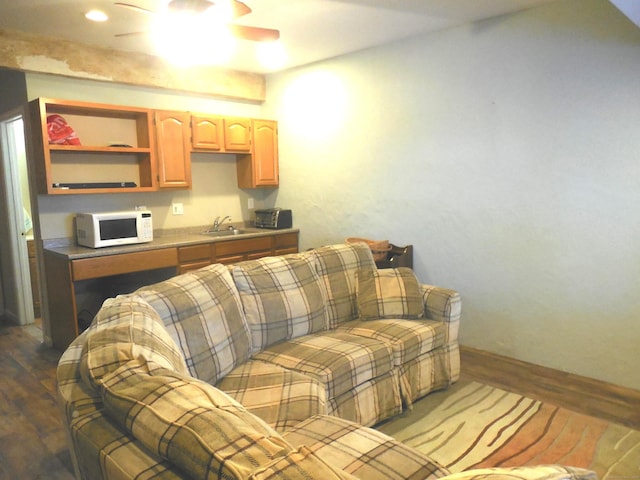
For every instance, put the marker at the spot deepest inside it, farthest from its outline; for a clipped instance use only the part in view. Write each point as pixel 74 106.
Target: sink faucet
pixel 217 222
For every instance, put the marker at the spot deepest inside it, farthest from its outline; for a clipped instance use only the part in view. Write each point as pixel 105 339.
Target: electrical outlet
pixel 250 203
pixel 177 208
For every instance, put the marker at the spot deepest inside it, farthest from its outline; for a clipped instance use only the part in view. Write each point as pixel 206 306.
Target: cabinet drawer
pixel 243 246
pixel 287 240
pixel 96 267
pixel 194 252
pixel 229 259
pixel 187 267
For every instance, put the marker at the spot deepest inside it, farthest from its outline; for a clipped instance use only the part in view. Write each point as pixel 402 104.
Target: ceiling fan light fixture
pixel 187 40
pixel 96 16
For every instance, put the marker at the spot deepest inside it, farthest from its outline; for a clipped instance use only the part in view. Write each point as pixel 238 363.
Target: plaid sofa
pixel 266 369
pixel 270 368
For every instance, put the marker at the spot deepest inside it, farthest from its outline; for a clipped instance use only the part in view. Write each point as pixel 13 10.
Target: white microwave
pixel 109 229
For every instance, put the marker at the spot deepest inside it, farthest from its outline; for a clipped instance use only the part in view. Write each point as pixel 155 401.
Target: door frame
pixel 18 253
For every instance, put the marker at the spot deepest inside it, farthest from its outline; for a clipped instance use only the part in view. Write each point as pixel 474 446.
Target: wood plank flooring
pixel 32 438
pixel 33 443
pixel 586 395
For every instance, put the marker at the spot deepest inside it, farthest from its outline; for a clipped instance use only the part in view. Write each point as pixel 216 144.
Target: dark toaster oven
pixel 274 218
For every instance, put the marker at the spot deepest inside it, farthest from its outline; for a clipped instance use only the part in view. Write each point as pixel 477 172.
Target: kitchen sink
pixel 225 233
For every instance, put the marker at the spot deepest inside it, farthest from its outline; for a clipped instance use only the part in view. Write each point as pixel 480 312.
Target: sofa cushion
pixel 194 425
pixel 126 327
pixel 338 360
pixel 282 298
pixel 301 464
pixel 280 397
pixel 408 338
pixel 337 266
pixel 388 293
pixel 202 312
pixel 363 452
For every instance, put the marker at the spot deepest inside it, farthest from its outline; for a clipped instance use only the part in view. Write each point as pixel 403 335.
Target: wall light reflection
pixel 315 105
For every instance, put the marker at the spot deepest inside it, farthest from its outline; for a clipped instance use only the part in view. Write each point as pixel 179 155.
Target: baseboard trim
pixel 587 395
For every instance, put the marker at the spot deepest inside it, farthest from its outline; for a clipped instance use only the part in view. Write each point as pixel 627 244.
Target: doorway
pixel 14 262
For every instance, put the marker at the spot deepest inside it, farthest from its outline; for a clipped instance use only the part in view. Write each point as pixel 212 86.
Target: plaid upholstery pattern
pixel 443 305
pixel 105 451
pixel 388 293
pixel 370 402
pixel 408 338
pixel 301 464
pixel 99 449
pixel 363 452
pixel 282 298
pixel 161 420
pixel 203 314
pixel 337 266
pixel 280 397
pixel 126 327
pixel 431 371
pixel 338 360
pixel 192 424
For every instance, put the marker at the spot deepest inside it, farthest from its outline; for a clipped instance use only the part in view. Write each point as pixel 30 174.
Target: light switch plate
pixel 177 208
pixel 250 203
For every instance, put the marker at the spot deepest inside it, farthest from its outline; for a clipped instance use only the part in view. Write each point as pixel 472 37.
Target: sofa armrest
pixel 540 472
pixel 443 305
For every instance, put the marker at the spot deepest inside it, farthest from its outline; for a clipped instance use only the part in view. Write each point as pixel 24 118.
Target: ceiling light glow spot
pixel 186 39
pixel 96 16
pixel 271 55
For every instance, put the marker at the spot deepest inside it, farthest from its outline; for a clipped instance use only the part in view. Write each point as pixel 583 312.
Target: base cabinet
pixel 69 280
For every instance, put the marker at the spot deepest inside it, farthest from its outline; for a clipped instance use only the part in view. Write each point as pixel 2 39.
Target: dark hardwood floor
pixel 33 443
pixel 32 439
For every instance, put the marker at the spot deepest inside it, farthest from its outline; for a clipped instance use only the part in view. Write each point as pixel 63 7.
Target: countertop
pixel 72 251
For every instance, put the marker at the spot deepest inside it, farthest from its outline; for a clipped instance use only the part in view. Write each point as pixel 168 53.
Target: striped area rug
pixel 475 425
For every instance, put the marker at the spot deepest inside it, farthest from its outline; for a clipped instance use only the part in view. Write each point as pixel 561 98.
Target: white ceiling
pixel 311 30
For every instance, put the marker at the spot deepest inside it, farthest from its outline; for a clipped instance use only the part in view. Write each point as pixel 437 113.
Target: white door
pixel 16 280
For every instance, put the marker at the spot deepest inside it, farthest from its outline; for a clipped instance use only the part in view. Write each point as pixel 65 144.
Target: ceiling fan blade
pixel 135 8
pixel 239 8
pixel 129 34
pixel 255 34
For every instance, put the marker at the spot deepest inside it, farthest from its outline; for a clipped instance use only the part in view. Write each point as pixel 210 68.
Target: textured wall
pixel 506 152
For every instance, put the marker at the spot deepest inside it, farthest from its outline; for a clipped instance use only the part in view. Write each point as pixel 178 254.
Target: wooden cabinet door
pixel 260 168
pixel 265 152
pixel 193 257
pixel 286 243
pixel 173 136
pixel 237 134
pixel 207 132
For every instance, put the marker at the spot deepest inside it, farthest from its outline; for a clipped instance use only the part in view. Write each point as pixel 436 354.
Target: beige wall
pixel 506 152
pixel 214 191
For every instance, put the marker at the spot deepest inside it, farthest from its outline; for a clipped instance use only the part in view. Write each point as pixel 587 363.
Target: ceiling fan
pixel 200 7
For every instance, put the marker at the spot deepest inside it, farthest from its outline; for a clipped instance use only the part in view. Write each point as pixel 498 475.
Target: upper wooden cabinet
pixel 260 167
pixel 129 149
pixel 173 135
pixel 207 132
pixel 237 134
pixel 114 152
